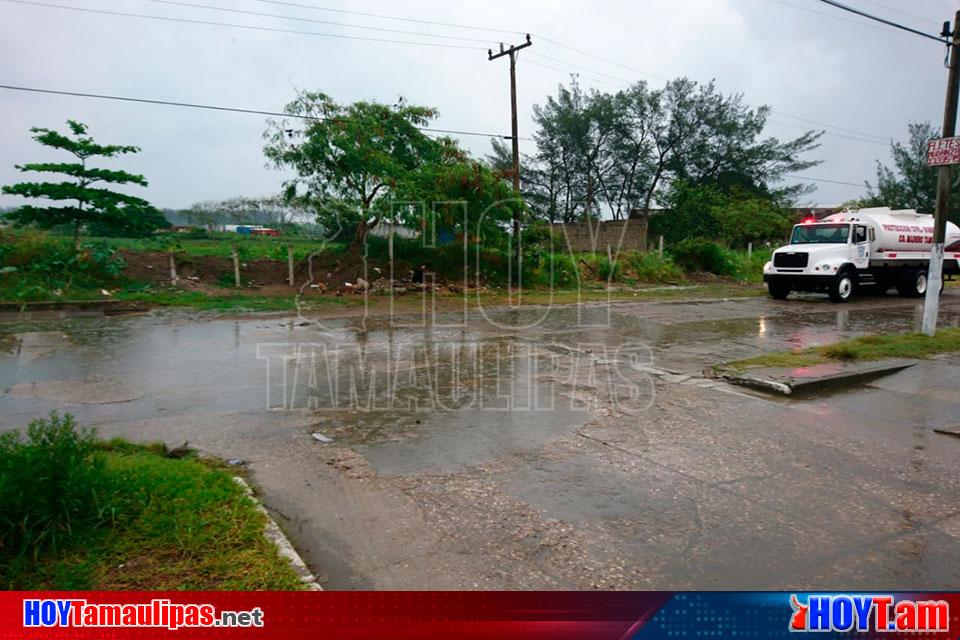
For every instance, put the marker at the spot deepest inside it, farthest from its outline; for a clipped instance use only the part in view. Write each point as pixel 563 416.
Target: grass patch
pixel 78 513
pixel 220 245
pixel 875 347
pixel 45 267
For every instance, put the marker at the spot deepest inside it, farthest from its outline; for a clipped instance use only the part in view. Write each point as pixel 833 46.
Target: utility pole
pixel 512 52
pixel 931 304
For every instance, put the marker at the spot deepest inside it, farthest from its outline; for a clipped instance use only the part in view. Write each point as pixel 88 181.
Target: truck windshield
pixel 820 234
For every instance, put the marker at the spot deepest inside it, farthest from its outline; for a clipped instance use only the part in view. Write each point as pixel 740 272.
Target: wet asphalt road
pixel 551 448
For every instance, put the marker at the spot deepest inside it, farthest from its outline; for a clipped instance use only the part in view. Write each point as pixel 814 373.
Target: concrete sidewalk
pixel 790 380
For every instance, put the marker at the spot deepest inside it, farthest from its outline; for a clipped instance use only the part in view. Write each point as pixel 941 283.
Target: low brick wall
pixel 601 236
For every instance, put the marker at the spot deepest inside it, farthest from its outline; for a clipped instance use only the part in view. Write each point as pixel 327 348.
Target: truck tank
pixel 898 230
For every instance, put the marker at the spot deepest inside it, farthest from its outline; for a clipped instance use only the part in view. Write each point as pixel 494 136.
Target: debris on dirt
pixel 319 437
pixel 235 462
pixel 955 432
pixel 344 274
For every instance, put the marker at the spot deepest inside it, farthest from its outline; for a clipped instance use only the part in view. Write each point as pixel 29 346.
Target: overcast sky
pixel 801 57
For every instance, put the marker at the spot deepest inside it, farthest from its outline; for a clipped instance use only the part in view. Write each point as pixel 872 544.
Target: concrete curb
pixel 790 381
pixel 276 536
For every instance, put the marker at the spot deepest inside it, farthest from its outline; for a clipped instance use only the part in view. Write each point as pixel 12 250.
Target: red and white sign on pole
pixel 943 151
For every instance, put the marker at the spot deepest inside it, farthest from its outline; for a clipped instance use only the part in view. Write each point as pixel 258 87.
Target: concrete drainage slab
pixel 790 381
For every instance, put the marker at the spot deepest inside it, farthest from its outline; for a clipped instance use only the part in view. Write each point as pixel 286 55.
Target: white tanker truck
pixel 870 247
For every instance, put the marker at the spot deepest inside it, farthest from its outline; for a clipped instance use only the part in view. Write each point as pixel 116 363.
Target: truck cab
pixel 814 257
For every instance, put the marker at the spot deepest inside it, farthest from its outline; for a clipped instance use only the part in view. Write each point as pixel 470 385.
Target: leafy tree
pixel 615 155
pixel 911 184
pixel 356 154
pixel 150 221
pixel 572 129
pixel 690 213
pixel 697 210
pixel 462 195
pixel 89 204
pixel 744 219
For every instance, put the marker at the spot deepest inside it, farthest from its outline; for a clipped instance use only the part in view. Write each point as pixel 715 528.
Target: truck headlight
pixel 767 267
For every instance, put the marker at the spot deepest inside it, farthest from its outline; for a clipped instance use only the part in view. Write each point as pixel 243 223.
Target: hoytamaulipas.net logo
pixel 863 613
pixel 156 613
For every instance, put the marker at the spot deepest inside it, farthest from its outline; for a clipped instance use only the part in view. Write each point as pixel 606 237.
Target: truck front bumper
pixel 799 281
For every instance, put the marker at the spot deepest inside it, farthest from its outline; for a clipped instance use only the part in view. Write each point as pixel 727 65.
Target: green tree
pixel 734 217
pixel 910 183
pixel 150 221
pixel 356 154
pixel 462 195
pixel 616 155
pixel 89 204
pixel 746 218
pixel 690 213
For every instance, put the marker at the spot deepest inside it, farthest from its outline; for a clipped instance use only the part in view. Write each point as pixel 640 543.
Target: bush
pixel 751 269
pixel 551 270
pixel 650 267
pixel 36 264
pixel 609 270
pixel 51 484
pixel 600 268
pixel 696 254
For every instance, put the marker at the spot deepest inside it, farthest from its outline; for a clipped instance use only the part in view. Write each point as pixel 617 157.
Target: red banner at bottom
pixel 286 615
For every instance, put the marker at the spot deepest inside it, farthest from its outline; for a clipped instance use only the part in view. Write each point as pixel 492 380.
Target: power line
pixel 576 66
pixel 849 184
pixel 830 133
pixel 885 139
pixel 462 26
pixel 891 23
pixel 387 17
pixel 607 60
pixel 406 42
pixel 238 26
pixel 567 72
pixel 177 3
pixel 832 16
pixel 895 10
pixel 209 107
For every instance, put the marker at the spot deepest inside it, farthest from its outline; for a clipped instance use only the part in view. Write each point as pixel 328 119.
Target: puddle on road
pixel 461 394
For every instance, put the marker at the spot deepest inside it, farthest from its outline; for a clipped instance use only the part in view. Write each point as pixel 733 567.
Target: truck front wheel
pixel 913 284
pixel 842 287
pixel 778 290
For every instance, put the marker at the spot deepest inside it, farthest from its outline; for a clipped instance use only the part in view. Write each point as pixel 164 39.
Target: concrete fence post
pixel 173 268
pixel 749 250
pixel 660 250
pixel 236 264
pixel 290 278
